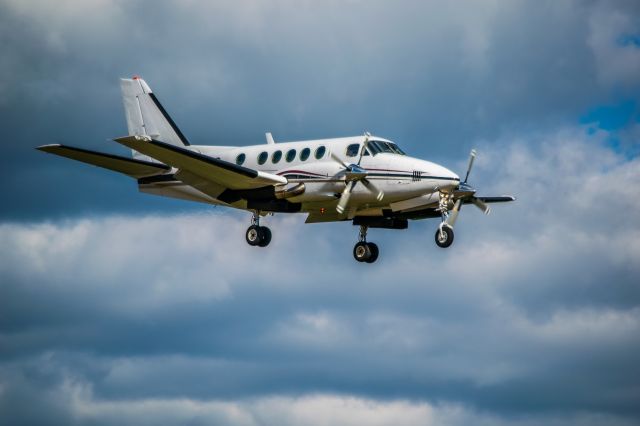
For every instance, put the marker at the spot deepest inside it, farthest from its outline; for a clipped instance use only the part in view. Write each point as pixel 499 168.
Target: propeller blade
pixel 481 205
pixel 371 187
pixel 339 161
pixel 364 146
pixel 472 158
pixel 453 214
pixel 344 198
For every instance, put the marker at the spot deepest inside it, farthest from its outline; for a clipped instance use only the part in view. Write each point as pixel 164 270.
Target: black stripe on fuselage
pixel 210 160
pixel 411 176
pixel 167 117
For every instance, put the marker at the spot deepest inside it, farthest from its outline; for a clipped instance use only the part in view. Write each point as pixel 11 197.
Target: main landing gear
pixel 364 251
pixel 258 235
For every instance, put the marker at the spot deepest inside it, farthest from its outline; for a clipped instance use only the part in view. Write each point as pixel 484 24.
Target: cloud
pixel 532 309
pixel 112 312
pixel 431 75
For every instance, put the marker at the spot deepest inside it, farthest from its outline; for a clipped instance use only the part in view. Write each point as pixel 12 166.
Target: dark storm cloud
pixel 533 316
pixel 431 75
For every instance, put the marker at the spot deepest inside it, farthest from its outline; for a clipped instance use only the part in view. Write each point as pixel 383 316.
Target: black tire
pixel 265 236
pixel 373 248
pixel 446 239
pixel 361 252
pixel 253 235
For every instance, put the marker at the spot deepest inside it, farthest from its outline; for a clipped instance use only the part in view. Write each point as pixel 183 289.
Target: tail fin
pixel 146 116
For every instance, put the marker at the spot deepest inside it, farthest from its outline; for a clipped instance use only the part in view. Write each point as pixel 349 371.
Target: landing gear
pixel 444 236
pixel 364 251
pixel 258 235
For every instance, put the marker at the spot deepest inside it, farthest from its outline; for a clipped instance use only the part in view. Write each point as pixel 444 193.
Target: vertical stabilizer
pixel 146 116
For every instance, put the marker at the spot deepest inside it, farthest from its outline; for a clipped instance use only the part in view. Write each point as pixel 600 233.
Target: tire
pixel 373 248
pixel 265 236
pixel 361 252
pixel 253 235
pixel 446 239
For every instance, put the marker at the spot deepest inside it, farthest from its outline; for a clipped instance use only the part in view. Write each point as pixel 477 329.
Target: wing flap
pixel 128 166
pixel 218 171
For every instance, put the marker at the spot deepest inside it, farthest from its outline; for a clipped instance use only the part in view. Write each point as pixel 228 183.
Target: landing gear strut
pixel 364 251
pixel 444 234
pixel 258 235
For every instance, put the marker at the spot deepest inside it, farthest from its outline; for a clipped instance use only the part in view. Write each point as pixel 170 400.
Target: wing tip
pixel 49 147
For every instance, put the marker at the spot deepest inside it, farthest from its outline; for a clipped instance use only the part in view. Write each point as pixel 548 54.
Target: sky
pixel 123 308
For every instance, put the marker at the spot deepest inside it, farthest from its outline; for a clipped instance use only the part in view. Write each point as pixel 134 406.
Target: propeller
pixel 466 192
pixel 354 174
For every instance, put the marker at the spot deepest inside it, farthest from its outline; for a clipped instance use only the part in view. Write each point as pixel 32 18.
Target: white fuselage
pixel 399 176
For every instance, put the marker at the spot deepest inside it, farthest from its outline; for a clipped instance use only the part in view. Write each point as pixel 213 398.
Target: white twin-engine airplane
pixel 364 179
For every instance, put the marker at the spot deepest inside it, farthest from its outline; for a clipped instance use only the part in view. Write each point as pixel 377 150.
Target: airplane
pixel 365 179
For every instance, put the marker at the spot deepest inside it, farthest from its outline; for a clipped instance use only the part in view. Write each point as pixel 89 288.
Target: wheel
pixel 444 238
pixel 361 251
pixel 373 248
pixel 265 236
pixel 254 236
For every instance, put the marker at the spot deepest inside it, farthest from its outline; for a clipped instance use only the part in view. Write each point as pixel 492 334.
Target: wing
pixel 202 170
pixel 502 199
pixel 128 166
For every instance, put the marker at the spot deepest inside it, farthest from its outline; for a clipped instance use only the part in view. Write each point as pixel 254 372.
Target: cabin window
pixel 291 155
pixel 320 152
pixel 276 156
pixel 304 154
pixel 262 158
pixel 240 159
pixel 352 150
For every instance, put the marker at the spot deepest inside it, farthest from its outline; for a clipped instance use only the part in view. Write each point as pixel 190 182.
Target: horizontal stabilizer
pixel 128 166
pixel 218 171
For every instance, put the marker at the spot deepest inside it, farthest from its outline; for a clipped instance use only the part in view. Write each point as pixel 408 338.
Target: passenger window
pixel 262 158
pixel 352 150
pixel 276 156
pixel 304 154
pixel 320 152
pixel 240 159
pixel 291 154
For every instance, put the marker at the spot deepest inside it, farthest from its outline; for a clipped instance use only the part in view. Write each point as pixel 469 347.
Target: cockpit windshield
pixel 376 147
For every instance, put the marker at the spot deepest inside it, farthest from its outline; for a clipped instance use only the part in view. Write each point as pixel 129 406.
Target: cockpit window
pixel 376 147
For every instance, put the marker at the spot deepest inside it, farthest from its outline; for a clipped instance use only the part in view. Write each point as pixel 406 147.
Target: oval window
pixel 291 154
pixel 262 158
pixel 304 154
pixel 276 156
pixel 320 152
pixel 240 159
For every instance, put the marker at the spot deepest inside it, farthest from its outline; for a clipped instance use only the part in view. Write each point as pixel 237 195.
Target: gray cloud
pixel 532 309
pixel 431 75
pixel 112 313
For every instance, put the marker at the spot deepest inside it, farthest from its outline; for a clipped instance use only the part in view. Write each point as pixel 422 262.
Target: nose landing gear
pixel 258 235
pixel 364 251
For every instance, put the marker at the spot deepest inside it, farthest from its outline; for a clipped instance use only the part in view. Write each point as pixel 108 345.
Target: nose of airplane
pixel 446 173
